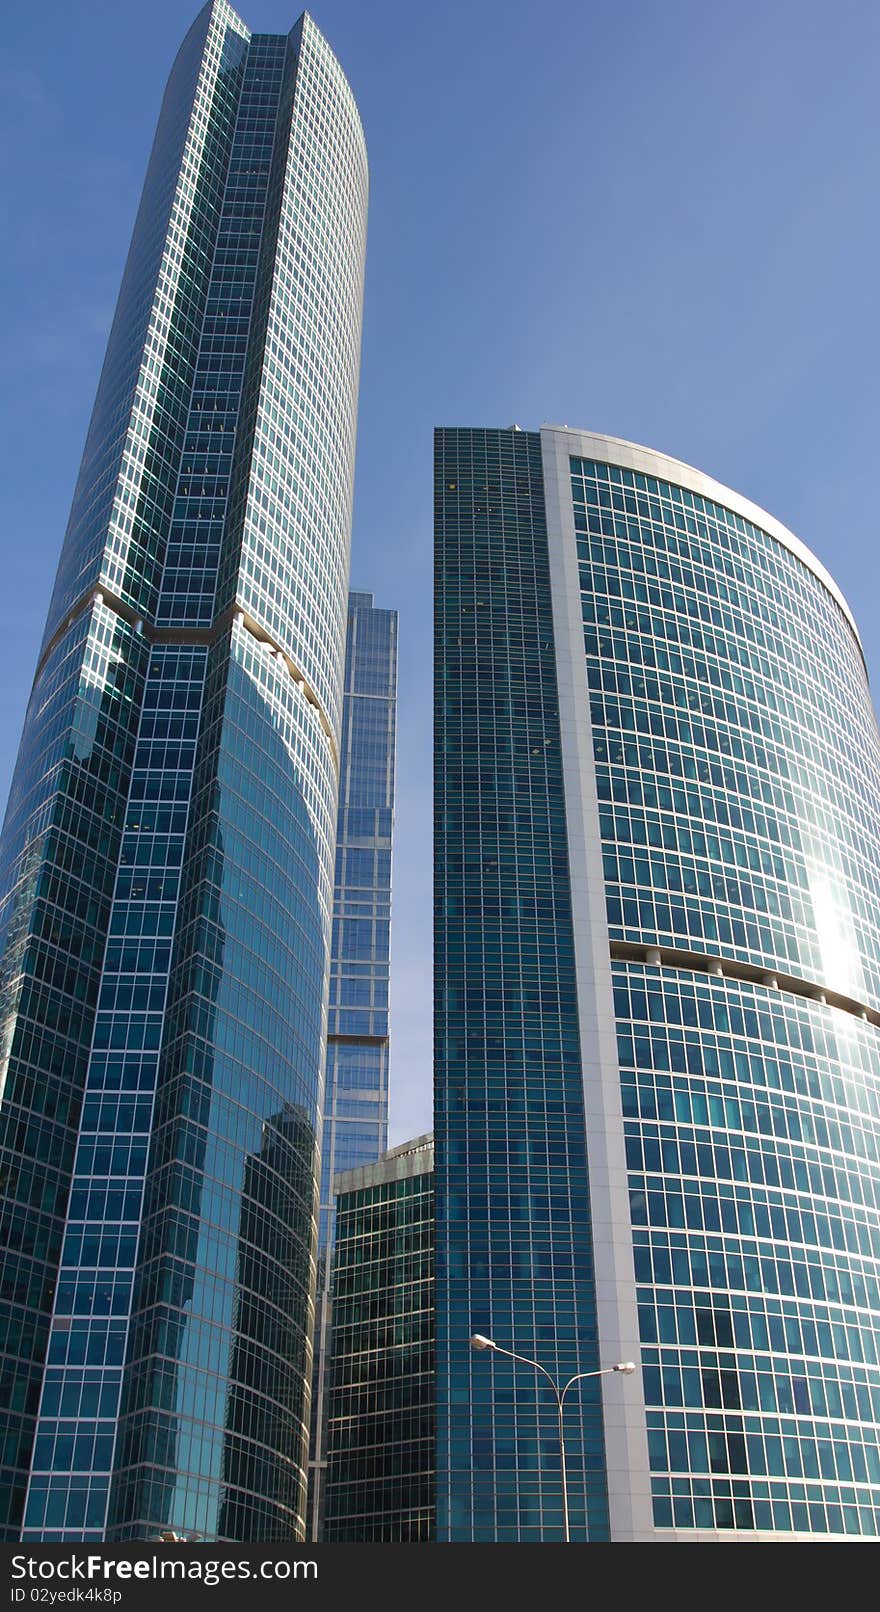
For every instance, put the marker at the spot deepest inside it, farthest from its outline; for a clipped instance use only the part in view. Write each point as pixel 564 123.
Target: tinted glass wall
pixel 167 854
pixel 738 779
pixel 356 1084
pixel 514 1254
pixel 658 848
pixel 380 1410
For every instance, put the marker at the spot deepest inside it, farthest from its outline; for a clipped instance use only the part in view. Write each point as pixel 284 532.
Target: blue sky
pixel 655 220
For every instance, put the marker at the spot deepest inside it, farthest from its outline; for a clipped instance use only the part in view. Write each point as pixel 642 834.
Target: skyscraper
pixel 167 859
pixel 356 1085
pixel 657 1005
pixel 380 1396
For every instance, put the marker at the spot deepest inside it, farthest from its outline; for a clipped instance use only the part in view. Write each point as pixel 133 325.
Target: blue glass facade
pixel 514 1255
pixel 167 853
pixel 356 1082
pixel 738 779
pixel 720 788
pixel 380 1404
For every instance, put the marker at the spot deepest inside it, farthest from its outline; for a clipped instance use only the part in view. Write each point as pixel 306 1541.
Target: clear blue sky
pixel 653 219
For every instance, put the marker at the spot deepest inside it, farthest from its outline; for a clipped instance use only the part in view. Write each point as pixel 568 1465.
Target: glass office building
pixel 356 1084
pixel 657 1005
pixel 167 856
pixel 380 1417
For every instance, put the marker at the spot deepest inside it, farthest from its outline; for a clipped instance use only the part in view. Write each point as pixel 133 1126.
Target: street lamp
pixel 625 1367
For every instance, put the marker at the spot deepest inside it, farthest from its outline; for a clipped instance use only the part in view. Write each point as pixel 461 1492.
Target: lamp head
pixel 627 1367
pixel 479 1342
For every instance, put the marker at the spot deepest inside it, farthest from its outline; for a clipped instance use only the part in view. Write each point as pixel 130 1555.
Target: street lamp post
pixel 626 1367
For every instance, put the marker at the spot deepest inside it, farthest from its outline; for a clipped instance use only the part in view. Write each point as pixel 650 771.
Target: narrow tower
pixel 355 1128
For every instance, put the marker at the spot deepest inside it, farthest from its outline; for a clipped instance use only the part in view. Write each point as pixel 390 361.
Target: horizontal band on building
pixel 192 636
pixel 625 951
pixel 357 1040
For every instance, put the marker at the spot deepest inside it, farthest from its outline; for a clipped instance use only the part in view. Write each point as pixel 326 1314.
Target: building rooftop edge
pixel 652 462
pixel 397 1164
pixel 357 596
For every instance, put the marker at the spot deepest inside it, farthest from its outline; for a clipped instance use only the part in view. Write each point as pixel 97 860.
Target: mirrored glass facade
pixel 356 1083
pixel 380 1411
pixel 514 1250
pixel 721 792
pixel 167 858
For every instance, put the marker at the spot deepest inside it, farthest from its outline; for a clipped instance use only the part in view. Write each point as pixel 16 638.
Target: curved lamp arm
pixel 488 1343
pixel 626 1367
pixel 479 1341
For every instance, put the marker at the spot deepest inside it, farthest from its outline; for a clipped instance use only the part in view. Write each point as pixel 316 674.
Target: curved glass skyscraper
pixel 658 1005
pixel 167 857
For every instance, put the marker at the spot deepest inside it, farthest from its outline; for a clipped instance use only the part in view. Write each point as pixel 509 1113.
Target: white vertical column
pixel 626 1443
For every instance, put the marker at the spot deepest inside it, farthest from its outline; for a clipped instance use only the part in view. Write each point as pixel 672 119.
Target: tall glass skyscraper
pixel 167 856
pixel 657 1005
pixel 356 1085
